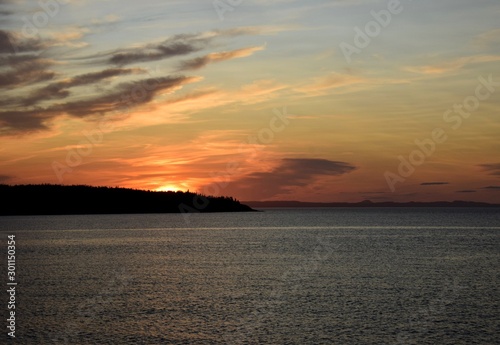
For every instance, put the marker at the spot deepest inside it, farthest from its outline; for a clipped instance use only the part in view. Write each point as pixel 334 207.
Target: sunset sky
pixel 338 100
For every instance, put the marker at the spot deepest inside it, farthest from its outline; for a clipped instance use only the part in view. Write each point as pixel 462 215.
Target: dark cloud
pixel 177 45
pixel 466 191
pixel 6 42
pixel 59 90
pixel 433 183
pixel 195 63
pixel 11 43
pixel 492 169
pixel 158 53
pixel 125 95
pixel 291 172
pixel 21 69
pixel 492 187
pixel 122 97
pixel 28 105
pixel 24 70
pixel 24 121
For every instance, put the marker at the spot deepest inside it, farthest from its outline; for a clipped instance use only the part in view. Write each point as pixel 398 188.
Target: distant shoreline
pixel 366 204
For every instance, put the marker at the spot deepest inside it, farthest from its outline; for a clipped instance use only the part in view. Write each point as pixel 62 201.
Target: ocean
pixel 282 276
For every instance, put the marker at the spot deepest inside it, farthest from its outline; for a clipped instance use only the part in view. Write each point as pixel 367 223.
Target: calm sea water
pixel 309 276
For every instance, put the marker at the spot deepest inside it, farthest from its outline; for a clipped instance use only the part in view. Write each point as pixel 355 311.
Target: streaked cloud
pixel 12 42
pixel 489 38
pixel 492 169
pixel 24 70
pixel 202 61
pixel 495 188
pixel 333 80
pixel 434 183
pixel 454 65
pixel 60 90
pixel 126 95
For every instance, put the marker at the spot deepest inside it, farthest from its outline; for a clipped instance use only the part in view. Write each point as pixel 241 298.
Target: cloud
pixel 492 188
pixel 24 70
pixel 202 61
pixel 29 107
pixel 177 45
pixel 59 89
pixel 210 97
pixel 493 169
pixel 11 43
pixel 453 65
pixel 106 20
pixel 66 37
pixel 20 63
pixel 323 84
pixel 290 173
pixel 256 30
pixel 466 191
pixel 23 121
pixel 128 94
pixel 433 183
pixel 121 98
pixel 488 38
pixel 162 51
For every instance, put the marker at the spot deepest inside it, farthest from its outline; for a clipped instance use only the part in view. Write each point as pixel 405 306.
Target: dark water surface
pixel 307 276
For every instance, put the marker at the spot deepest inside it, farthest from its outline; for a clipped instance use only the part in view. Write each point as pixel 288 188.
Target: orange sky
pixel 289 100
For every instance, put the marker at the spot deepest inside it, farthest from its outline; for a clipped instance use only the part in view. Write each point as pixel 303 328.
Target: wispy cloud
pixel 488 38
pixel 60 90
pixel 11 42
pixel 433 183
pixel 202 61
pixel 24 70
pixel 452 66
pixel 324 84
pixel 177 45
pixel 120 97
pixel 495 188
pixel 492 169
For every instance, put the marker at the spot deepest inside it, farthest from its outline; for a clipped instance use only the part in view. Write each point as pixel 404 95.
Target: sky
pixel 339 100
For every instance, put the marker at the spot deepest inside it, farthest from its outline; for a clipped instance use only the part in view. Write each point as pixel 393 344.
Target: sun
pixel 169 188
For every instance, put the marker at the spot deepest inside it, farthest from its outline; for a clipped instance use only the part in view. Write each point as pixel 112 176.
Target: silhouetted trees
pixel 80 199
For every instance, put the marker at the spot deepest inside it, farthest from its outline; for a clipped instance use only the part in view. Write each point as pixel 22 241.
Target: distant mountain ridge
pixel 368 203
pixel 48 199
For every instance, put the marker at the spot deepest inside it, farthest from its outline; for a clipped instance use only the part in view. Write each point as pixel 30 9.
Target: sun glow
pixel 170 188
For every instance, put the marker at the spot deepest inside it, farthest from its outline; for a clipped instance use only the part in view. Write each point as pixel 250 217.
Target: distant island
pixel 368 203
pixel 49 199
